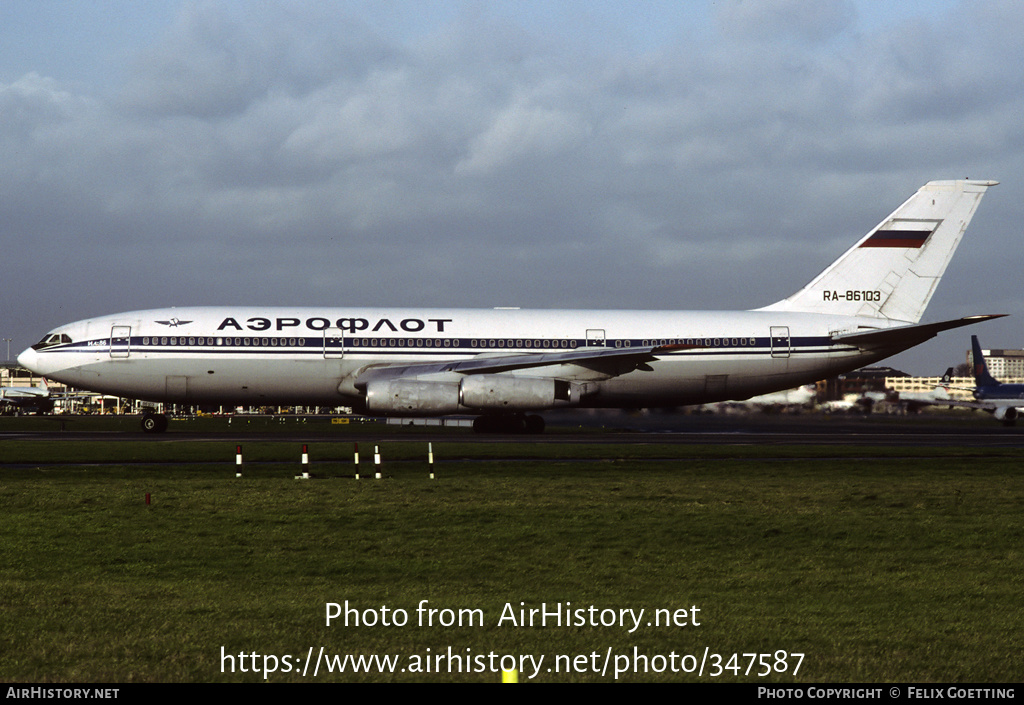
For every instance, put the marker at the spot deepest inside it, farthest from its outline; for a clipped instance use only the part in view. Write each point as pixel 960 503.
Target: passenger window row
pixel 514 343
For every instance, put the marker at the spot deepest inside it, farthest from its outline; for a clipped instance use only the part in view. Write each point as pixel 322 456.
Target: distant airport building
pixel 1004 365
pixel 12 375
pixel 917 385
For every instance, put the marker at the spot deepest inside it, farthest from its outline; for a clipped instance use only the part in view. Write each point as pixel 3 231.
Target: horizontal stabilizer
pixel 904 337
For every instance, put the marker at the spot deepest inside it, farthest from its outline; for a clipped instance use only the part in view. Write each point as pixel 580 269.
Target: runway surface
pixel 610 428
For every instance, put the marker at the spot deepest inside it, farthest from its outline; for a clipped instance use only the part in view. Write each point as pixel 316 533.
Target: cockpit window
pixel 52 339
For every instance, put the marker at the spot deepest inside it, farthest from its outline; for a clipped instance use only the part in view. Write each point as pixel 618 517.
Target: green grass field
pixel 878 565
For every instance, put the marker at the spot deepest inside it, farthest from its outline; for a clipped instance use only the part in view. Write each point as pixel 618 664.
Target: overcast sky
pixel 661 155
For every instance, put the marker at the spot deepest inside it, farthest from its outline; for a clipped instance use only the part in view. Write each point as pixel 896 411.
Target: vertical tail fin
pixel 981 376
pixel 892 271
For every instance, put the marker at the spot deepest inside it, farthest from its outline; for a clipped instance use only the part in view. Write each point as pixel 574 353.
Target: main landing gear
pixel 154 423
pixel 517 423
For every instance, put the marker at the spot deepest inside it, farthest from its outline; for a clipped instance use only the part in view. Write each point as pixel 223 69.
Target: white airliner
pixel 505 364
pixel 37 398
pixel 939 395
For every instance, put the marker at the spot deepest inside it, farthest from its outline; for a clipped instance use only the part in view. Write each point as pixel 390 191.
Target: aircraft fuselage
pixel 314 357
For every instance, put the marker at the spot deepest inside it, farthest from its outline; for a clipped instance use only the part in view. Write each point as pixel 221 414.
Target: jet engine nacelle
pixel 477 392
pixel 411 397
pixel 1006 414
pixel 505 393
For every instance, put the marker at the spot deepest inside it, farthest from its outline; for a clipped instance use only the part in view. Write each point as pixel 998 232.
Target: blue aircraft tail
pixel 981 376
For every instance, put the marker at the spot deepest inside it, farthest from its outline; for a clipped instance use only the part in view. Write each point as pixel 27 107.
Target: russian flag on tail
pixel 902 233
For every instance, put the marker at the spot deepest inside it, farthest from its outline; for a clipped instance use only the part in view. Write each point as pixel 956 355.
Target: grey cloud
pixel 216 61
pixel 765 20
pixel 303 157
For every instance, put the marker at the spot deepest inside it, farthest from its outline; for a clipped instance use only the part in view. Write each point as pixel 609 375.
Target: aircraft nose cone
pixel 28 359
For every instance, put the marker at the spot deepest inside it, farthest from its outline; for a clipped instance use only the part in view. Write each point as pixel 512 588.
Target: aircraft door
pixel 780 341
pixel 595 338
pixel 120 341
pixel 334 344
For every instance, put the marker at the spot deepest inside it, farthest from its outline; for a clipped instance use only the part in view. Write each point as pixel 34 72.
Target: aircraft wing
pixel 26 397
pixel 507 363
pixel 22 393
pixel 906 336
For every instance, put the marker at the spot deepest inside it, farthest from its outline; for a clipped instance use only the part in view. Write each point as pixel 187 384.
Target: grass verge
pixel 877 570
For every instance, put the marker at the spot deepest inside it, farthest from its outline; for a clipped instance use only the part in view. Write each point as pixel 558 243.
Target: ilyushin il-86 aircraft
pixel 505 365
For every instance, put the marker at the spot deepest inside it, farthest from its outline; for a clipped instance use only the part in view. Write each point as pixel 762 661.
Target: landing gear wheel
pixel 534 424
pixel 154 423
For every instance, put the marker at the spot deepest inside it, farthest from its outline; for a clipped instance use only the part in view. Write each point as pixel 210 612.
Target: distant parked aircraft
pixel 36 398
pixel 1003 401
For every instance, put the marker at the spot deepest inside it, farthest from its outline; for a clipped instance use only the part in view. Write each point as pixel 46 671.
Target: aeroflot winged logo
pixel 174 323
pixel 911 234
